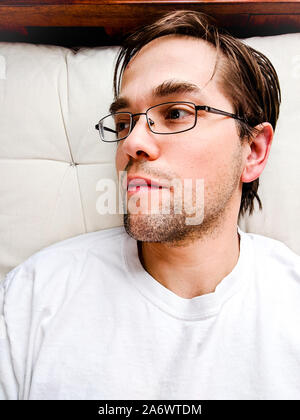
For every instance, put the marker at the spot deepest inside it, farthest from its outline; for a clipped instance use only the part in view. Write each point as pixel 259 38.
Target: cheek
pixel 121 158
pixel 210 159
pixel 188 159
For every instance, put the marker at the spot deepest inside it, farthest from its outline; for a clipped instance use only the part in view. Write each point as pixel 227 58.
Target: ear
pixel 258 150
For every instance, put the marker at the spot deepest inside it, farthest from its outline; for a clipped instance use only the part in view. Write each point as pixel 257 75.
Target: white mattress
pixel 51 157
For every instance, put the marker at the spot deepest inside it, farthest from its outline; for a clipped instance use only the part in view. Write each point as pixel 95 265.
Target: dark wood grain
pixel 251 3
pixel 104 22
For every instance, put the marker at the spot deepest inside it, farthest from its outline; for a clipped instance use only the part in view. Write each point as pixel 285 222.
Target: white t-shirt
pixel 82 319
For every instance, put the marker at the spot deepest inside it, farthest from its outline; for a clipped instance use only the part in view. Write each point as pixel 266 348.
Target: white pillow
pixel 51 157
pixel 279 188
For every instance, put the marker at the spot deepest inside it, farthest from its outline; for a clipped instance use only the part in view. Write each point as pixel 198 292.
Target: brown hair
pixel 249 79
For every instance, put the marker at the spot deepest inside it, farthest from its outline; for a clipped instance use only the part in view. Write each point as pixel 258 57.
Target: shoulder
pixel 272 296
pixel 276 272
pixel 59 266
pixel 273 251
pixel 84 242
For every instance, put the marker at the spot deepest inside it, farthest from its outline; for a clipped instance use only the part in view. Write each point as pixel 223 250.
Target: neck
pixel 196 267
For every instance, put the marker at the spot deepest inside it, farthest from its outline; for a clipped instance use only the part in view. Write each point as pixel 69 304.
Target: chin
pixel 158 228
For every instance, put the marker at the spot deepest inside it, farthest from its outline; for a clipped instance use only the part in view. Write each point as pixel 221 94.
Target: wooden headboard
pixel 104 22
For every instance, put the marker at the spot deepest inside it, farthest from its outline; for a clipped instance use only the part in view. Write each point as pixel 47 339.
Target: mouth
pixel 139 184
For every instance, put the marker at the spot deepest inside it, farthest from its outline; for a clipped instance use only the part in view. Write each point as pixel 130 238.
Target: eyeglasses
pixel 166 118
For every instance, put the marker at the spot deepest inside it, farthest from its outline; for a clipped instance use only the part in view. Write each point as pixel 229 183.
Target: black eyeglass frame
pixel 205 108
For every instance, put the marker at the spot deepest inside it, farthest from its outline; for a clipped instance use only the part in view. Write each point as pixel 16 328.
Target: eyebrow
pixel 118 104
pixel 168 87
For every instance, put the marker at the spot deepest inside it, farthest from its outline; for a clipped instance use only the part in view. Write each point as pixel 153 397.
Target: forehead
pixel 170 57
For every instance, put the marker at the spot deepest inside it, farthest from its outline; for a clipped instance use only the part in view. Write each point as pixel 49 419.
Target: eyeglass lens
pixel 163 119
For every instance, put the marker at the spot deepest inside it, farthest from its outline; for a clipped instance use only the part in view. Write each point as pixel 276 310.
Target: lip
pixel 140 182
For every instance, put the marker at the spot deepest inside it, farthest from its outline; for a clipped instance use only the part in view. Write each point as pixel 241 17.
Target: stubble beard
pixel 157 227
pixel 172 228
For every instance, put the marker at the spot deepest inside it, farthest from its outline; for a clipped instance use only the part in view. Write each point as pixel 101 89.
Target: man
pixel 181 304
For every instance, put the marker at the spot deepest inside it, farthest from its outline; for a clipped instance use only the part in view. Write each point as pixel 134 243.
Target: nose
pixel 141 142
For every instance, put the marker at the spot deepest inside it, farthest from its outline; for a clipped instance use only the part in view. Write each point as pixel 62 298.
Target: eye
pixel 176 113
pixel 121 122
pixel 122 125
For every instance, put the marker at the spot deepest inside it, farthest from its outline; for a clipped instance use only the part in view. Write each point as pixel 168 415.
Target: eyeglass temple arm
pixel 105 128
pixel 218 111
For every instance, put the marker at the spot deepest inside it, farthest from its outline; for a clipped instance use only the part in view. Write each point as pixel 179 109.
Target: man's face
pixel 211 152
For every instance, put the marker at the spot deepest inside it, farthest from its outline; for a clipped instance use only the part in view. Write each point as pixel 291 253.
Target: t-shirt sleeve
pixel 30 297
pixel 15 324
pixel 8 385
